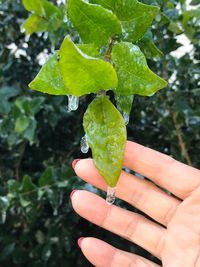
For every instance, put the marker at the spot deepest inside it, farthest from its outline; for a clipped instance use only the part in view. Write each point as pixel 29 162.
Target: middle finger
pixel 140 193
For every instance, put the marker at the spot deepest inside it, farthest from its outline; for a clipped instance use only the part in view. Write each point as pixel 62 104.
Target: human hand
pixel 176 242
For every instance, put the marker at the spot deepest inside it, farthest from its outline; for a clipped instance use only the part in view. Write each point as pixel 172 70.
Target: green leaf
pixel 134 75
pixel 35 105
pixel 27 185
pixel 34 5
pixel 148 47
pixel 53 15
pixel 47 177
pixel 29 133
pixel 29 106
pixel 21 124
pixel 27 191
pixel 49 79
pixel 50 10
pixel 83 74
pixel 89 49
pixel 190 23
pixel 106 136
pixel 6 93
pixel 109 4
pixel 175 27
pixel 13 186
pixel 94 23
pixel 124 104
pixel 135 17
pixel 35 23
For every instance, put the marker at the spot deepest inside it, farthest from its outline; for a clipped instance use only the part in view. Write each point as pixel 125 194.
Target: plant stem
pixel 181 142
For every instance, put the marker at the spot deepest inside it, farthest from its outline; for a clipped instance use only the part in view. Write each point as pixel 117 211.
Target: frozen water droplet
pixel 3 217
pixel 84 145
pixel 73 102
pixel 110 197
pixel 126 117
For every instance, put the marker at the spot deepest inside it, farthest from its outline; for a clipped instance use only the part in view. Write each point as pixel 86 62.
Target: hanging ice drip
pixel 84 145
pixel 73 102
pixel 110 197
pixel 126 117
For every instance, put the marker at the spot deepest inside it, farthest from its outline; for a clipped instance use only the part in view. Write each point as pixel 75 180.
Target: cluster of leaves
pixel 40 228
pixel 110 28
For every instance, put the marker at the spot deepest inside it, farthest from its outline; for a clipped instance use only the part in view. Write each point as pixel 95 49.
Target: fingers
pixel 170 174
pixel 124 223
pixel 101 254
pixel 142 194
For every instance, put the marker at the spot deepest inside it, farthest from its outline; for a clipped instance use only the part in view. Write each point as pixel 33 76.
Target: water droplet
pixel 84 145
pixel 126 117
pixel 3 217
pixel 110 197
pixel 73 102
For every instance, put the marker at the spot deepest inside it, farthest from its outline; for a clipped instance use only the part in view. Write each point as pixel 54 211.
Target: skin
pixel 175 240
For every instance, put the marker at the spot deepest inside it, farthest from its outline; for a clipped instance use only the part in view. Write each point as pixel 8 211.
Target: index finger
pixel 178 178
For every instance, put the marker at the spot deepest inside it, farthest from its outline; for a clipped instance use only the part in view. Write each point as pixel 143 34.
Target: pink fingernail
pixel 74 162
pixel 72 193
pixel 80 241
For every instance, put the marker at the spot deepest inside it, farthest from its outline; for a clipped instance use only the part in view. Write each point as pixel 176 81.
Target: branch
pixel 181 142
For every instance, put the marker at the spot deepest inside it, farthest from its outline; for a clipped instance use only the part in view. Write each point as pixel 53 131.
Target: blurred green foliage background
pixel 39 138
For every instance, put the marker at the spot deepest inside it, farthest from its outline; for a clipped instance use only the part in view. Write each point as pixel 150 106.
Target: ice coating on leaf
pixel 84 74
pixel 126 117
pixel 49 79
pixel 84 145
pixel 94 23
pixel 134 75
pixel 73 102
pixel 135 17
pixel 106 135
pixel 124 105
pixel 110 195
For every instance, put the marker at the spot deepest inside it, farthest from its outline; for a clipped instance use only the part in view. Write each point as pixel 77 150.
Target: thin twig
pixel 181 142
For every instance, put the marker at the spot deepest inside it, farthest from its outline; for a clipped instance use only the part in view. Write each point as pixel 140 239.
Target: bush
pixel 39 138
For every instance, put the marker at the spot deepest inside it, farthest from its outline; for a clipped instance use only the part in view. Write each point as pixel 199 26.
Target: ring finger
pixel 124 223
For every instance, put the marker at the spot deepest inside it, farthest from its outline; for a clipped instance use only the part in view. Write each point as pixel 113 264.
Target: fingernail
pixel 72 193
pixel 74 162
pixel 80 241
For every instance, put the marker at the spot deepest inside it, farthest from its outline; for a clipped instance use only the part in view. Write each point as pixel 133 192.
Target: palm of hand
pixel 175 239
pixel 181 246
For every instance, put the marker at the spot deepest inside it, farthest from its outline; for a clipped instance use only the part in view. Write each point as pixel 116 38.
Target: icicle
pixel 126 117
pixel 110 197
pixel 73 102
pixel 84 145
